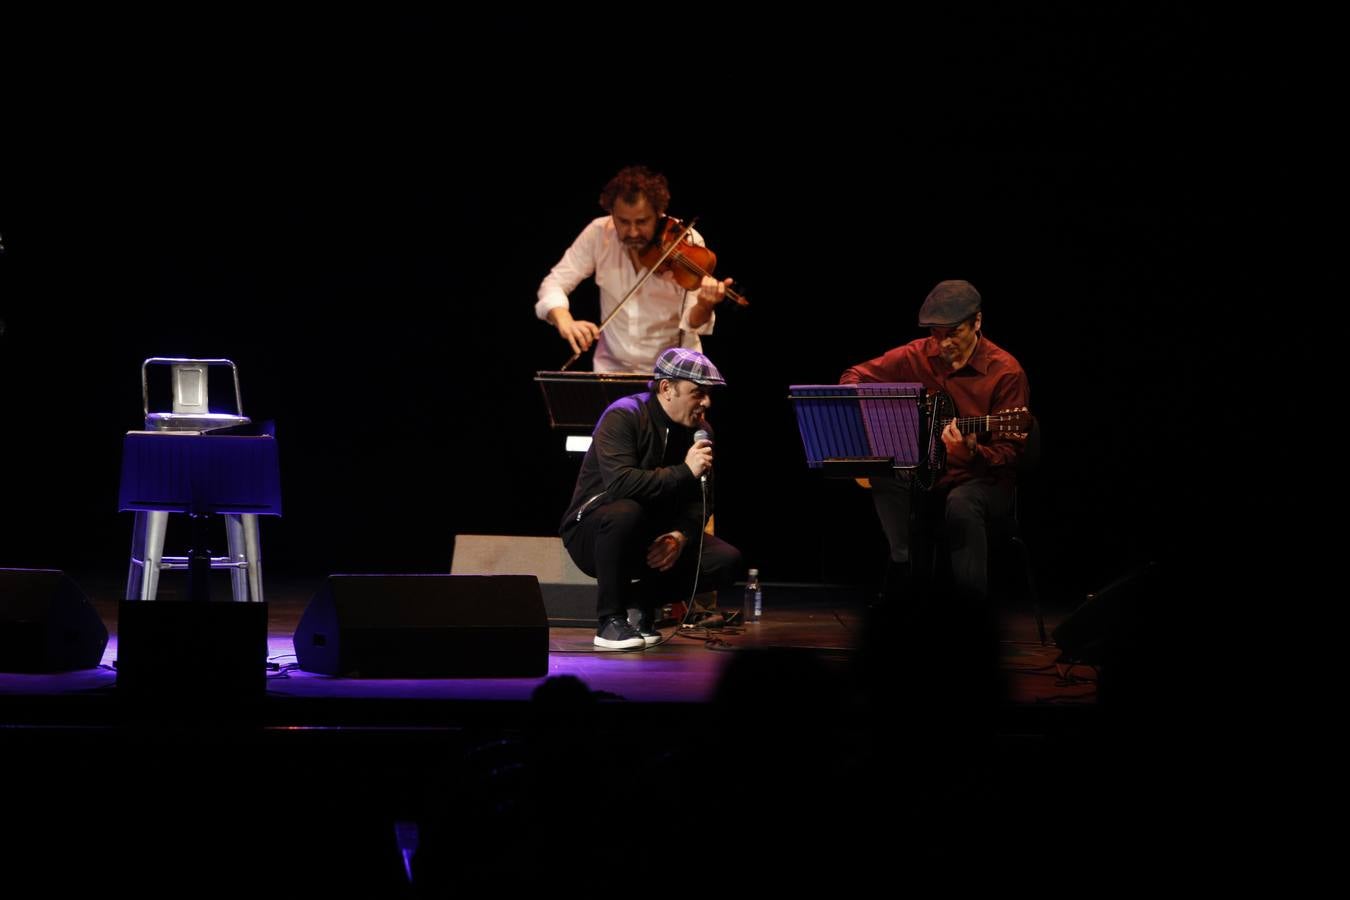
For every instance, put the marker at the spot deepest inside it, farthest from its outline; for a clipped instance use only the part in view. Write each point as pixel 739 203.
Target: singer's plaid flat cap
pixel 687 365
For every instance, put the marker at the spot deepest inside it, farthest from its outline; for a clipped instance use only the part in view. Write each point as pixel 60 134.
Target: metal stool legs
pixel 147 551
pixel 241 533
pixel 147 556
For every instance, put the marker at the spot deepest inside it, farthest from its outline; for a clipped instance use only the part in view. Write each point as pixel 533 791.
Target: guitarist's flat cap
pixel 948 304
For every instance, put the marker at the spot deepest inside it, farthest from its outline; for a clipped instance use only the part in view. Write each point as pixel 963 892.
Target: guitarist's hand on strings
pixel 956 441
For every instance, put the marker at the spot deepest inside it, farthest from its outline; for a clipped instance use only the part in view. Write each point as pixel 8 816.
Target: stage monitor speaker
pixel 185 648
pixel 569 593
pixel 1110 620
pixel 425 626
pixel 47 624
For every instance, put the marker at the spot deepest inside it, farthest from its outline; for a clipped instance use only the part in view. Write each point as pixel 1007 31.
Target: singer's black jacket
pixel 638 453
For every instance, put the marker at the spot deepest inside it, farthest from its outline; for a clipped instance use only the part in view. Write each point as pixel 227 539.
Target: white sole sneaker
pixel 633 643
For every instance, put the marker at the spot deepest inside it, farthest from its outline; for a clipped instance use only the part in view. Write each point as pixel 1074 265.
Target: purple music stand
pixel 860 430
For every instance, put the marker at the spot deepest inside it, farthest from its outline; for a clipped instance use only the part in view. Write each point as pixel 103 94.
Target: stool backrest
pixel 190 395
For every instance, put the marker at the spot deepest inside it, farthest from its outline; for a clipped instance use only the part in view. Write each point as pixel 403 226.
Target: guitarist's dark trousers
pixel 960 516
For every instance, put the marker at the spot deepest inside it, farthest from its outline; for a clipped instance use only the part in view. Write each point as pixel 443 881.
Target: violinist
pixel 671 308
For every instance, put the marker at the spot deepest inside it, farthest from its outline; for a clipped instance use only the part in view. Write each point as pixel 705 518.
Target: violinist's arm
pixel 579 333
pixel 552 306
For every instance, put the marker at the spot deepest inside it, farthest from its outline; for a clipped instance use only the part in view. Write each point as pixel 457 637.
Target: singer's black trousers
pixel 610 544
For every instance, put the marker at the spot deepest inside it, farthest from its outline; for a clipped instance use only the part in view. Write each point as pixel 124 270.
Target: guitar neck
pixel 979 424
pixel 995 422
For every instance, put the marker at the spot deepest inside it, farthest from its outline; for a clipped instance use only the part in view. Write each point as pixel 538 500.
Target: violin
pixel 687 263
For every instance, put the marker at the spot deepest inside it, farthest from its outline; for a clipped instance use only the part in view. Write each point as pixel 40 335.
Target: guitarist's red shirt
pixel 991 382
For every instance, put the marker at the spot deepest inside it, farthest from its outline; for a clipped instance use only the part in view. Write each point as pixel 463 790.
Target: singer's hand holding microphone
pixel 699 458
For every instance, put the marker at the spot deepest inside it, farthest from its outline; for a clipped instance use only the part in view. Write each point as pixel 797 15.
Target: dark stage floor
pixel 685 669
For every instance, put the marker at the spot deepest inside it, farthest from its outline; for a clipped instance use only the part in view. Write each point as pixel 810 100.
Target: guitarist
pixel 982 378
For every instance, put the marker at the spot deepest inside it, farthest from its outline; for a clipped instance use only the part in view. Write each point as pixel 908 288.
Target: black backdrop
pixel 358 212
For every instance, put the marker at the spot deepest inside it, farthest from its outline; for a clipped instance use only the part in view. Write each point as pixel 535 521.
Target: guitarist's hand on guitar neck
pixel 1006 422
pixel 955 440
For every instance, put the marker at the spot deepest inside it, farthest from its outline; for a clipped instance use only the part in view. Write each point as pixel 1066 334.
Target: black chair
pixel 1009 530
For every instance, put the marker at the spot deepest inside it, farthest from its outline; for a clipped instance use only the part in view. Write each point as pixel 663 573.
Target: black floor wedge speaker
pixel 180 649
pixel 425 626
pixel 47 624
pixel 1110 621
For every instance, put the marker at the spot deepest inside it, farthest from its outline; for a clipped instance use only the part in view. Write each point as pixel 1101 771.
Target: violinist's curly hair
pixel 636 180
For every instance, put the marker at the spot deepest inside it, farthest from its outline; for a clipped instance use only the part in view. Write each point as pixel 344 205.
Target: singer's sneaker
pixel 644 620
pixel 615 633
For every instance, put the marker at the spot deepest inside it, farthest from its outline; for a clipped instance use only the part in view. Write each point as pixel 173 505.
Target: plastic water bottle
pixel 754 599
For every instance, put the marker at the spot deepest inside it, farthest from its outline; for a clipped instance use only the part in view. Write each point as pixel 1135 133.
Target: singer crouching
pixel 643 497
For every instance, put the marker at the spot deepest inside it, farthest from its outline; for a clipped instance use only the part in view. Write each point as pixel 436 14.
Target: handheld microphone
pixel 702 435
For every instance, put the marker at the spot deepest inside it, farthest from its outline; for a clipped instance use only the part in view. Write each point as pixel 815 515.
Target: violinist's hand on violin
pixel 577 332
pixel 711 292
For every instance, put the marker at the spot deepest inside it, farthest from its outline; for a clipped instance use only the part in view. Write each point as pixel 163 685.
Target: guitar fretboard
pixel 992 422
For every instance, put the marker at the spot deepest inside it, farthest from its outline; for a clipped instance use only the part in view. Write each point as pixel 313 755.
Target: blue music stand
pixel 860 430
